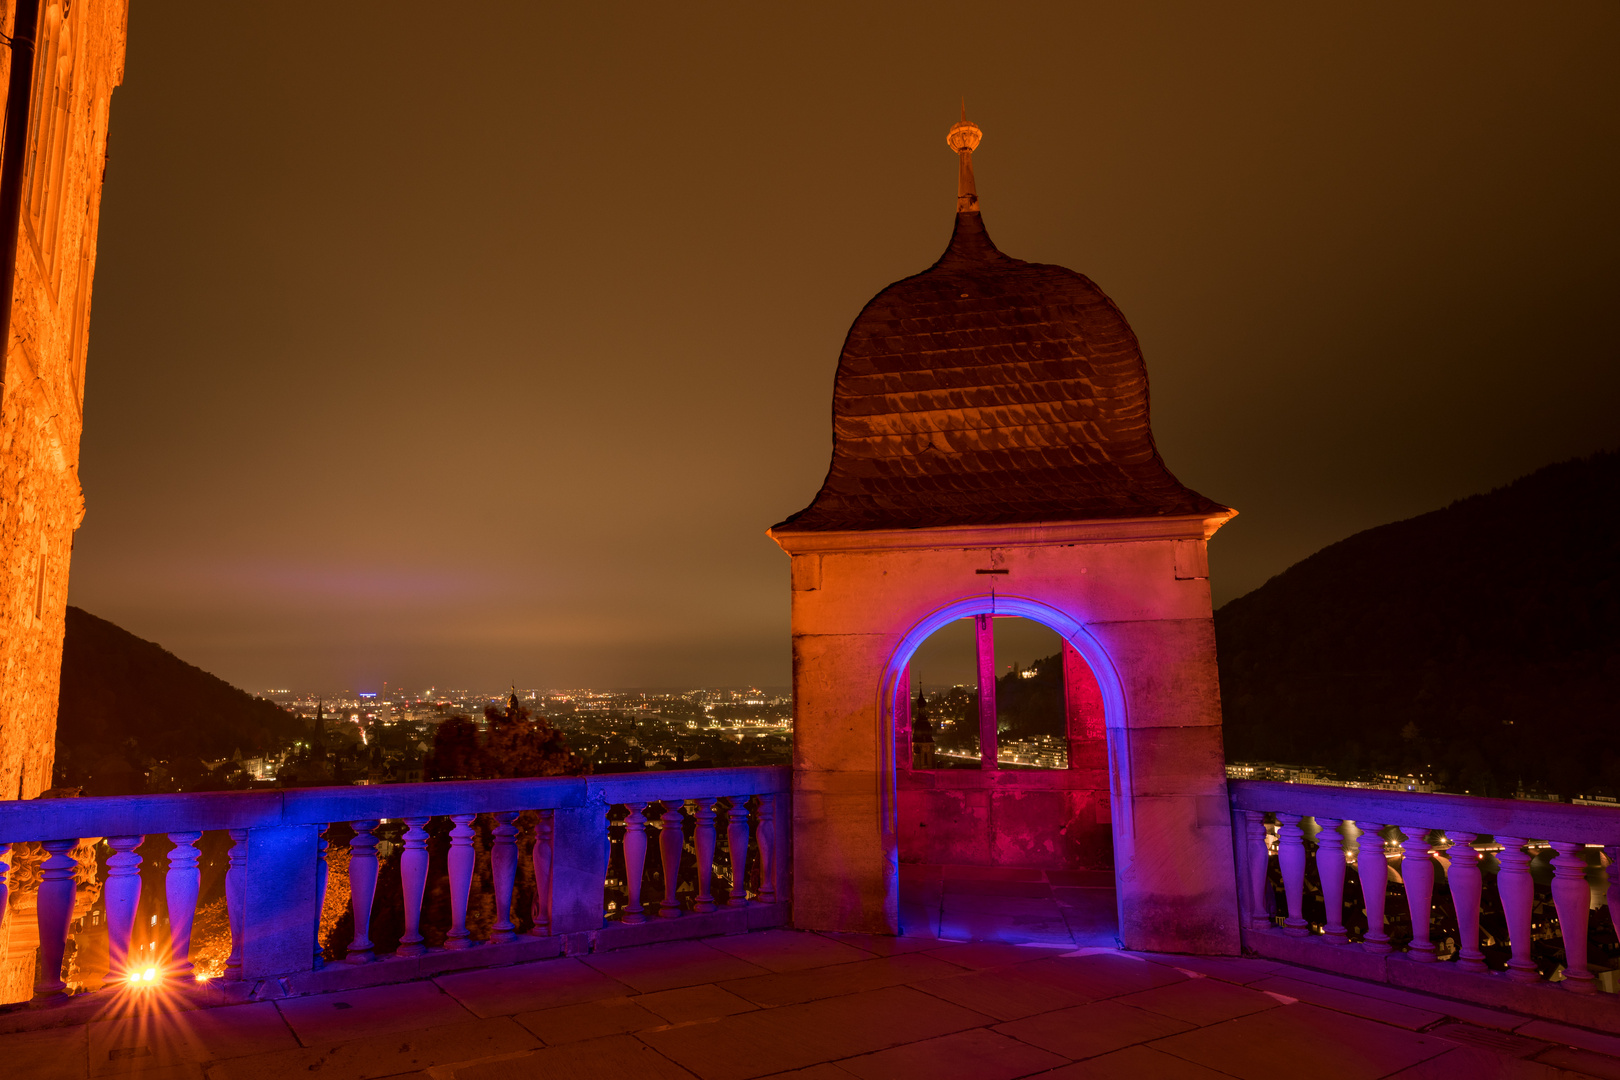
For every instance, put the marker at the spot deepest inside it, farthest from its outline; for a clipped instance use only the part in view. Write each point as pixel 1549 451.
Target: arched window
pixel 995 692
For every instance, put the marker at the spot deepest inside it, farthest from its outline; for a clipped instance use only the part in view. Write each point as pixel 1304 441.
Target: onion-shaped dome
pixel 987 390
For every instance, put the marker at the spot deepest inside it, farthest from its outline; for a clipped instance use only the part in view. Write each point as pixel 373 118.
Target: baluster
pixel 541 860
pixel 323 867
pixel 765 837
pixel 635 861
pixel 1518 892
pixel 413 868
pixel 180 888
pixel 1291 860
pixel 703 840
pixel 737 848
pixel 503 862
pixel 1467 885
pixel 235 900
pixel 460 862
pixel 122 895
pixel 1572 896
pixel 362 889
pixel 1330 869
pixel 1418 875
pixel 5 887
pixel 1373 872
pixel 1259 862
pixel 670 843
pixel 1417 871
pixel 55 909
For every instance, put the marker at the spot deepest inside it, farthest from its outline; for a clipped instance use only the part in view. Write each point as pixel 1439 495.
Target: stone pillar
pixel 984 643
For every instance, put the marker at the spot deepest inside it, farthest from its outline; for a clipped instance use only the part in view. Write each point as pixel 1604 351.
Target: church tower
pixel 992 457
pixel 66 56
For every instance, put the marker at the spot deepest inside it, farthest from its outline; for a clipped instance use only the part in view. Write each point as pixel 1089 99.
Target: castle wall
pixel 80 62
pixel 1140 611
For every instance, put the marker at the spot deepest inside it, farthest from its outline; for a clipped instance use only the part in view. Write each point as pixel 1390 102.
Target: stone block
pixel 279 901
pixel 1175 879
pixel 844 877
pixel 1176 761
pixel 1168 670
pixel 579 866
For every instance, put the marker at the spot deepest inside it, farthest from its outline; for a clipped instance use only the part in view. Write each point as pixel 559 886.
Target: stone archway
pixel 999 850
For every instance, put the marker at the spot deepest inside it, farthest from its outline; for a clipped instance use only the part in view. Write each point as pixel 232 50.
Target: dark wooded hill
pixel 1481 642
pixel 127 703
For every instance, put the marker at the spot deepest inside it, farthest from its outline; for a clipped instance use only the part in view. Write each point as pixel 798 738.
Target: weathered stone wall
pixel 80 60
pixel 1141 605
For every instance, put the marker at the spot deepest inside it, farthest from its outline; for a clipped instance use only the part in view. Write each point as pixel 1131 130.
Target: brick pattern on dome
pixel 989 390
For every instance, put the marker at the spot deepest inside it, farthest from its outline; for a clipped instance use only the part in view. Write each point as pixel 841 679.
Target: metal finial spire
pixel 964 138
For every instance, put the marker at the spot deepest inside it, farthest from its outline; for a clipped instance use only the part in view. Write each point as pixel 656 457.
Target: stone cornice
pixel 1023 534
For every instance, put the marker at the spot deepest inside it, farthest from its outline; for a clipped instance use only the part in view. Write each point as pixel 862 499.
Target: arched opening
pixel 1002 789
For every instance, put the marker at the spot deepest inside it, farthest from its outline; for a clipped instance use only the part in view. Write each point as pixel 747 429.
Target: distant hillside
pixel 126 701
pixel 1482 640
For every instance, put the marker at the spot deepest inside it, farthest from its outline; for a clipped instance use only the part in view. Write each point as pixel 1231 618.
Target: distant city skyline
pixel 502 374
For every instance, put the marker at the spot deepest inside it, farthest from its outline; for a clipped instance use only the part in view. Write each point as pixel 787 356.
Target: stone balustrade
pixel 283 842
pixel 1408 844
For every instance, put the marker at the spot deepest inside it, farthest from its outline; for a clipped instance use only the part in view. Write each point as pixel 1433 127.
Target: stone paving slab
pixel 786 950
pixel 978 1054
pixel 740 1009
pixel 170 1039
pixel 1201 1002
pixel 618 1056
pixel 664 967
pixel 544 985
pixel 1296 1040
pixel 376 1010
pixel 1000 993
pixel 794 1036
pixel 385 1055
pixel 1091 1030
pixel 1372 1008
pixel 793 987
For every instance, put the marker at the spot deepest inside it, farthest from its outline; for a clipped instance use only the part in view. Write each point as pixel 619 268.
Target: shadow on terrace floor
pixel 835 1006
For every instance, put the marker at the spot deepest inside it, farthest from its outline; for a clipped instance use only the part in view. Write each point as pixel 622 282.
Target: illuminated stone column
pixel 122 895
pixel 670 843
pixel 460 862
pixel 984 639
pixel 703 840
pixel 1417 871
pixel 1258 863
pixel 413 867
pixel 765 837
pixel 635 861
pixel 362 890
pixel 737 845
pixel 1330 870
pixel 1572 897
pixel 235 904
pixel 56 890
pixel 1373 872
pixel 542 859
pixel 503 860
pixel 180 888
pixel 1291 860
pixel 1518 892
pixel 1467 886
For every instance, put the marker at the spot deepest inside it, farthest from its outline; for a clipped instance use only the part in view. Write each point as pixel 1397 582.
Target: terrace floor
pixel 826 1007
